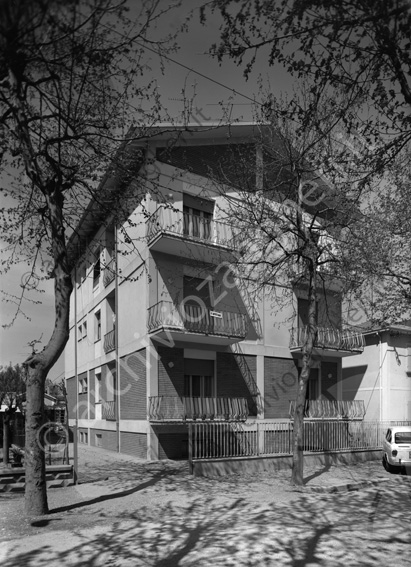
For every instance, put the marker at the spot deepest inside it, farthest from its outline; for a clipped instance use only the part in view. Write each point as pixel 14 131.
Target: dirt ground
pixel 112 486
pixel 128 512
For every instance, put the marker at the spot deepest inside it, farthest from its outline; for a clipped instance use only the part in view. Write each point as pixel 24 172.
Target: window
pixel 110 386
pixel 403 437
pixel 97 270
pixel 197 217
pixel 303 305
pixel 81 275
pixel 83 385
pixel 98 439
pixel 98 388
pixel 97 326
pixel 198 378
pixel 313 385
pixel 196 386
pixel 82 331
pixel 197 223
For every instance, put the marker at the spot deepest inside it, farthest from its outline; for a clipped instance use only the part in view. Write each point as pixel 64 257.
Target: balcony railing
pixel 329 339
pixel 174 408
pixel 109 273
pixel 190 227
pixel 110 341
pixel 196 319
pixel 331 409
pixel 109 411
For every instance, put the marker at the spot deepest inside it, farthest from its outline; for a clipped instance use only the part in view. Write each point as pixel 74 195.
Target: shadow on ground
pixel 361 529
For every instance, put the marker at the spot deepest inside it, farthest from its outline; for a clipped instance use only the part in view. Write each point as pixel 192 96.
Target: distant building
pixel 381 376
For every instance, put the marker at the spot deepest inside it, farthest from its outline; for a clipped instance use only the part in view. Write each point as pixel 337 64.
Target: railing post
pixel 190 448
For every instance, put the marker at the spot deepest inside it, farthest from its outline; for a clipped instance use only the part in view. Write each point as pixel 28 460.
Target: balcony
pixel 188 235
pixel 183 409
pixel 331 409
pixel 109 411
pixel 338 342
pixel 191 321
pixel 110 341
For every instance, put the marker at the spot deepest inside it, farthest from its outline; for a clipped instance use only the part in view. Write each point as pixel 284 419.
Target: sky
pixel 202 81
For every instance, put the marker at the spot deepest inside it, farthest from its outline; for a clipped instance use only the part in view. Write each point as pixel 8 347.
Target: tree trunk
pixel 297 475
pixel 34 459
pixel 39 364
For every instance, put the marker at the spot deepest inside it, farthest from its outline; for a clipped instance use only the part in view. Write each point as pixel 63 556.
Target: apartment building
pixel 163 329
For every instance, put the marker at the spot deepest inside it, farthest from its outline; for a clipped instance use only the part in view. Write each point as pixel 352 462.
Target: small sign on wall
pixel 216 314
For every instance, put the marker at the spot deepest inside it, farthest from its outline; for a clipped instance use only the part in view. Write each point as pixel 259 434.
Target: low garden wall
pixel 233 465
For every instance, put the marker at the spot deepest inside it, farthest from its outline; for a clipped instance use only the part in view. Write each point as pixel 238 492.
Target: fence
pixel 231 440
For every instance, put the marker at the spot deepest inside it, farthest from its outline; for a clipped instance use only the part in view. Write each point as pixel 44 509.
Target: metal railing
pixel 175 408
pixel 109 273
pixel 109 411
pixel 196 319
pixel 110 341
pixel 232 440
pixel 331 409
pixel 329 338
pixel 189 226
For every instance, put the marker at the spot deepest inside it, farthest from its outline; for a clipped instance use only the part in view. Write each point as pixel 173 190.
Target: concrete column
pixel 260 384
pixel 152 444
pixel 152 390
pixel 261 438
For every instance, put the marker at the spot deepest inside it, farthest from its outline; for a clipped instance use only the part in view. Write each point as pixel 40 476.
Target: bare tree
pixel 71 85
pixel 380 245
pixel 291 223
pixel 358 49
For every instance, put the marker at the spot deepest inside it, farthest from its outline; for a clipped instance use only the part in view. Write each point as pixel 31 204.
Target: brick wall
pixel 134 444
pixel 71 397
pixel 173 445
pixel 233 376
pixel 92 392
pixel 280 386
pixel 133 402
pixel 108 439
pixel 170 371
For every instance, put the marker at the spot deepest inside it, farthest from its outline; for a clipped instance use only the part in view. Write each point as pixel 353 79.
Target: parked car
pixel 396 448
